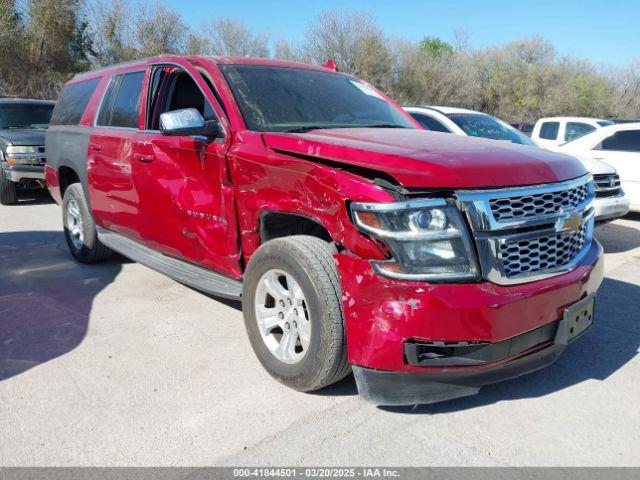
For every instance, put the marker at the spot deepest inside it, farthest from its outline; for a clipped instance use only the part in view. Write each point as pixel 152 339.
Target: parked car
pixel 616 145
pixel 429 264
pixel 22 157
pixel 524 127
pixel 553 131
pixel 466 122
pixel 610 203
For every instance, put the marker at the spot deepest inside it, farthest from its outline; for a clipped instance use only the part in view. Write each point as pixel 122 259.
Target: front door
pixel 185 193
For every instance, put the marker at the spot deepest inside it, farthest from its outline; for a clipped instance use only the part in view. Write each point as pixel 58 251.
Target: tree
pixel 159 30
pixel 111 29
pixel 231 37
pixel 435 48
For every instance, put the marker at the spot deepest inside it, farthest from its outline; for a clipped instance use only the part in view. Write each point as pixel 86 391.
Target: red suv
pixel 429 264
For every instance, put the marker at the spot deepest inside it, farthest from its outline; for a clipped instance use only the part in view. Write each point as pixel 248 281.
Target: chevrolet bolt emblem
pixel 572 222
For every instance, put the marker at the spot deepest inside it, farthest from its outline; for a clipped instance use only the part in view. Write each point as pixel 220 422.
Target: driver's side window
pixel 172 89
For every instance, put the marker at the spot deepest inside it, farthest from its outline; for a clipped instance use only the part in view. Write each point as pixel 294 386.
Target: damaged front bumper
pixel 414 343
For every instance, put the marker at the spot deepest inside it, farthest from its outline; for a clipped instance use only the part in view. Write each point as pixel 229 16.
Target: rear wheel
pixel 293 312
pixel 80 229
pixel 8 190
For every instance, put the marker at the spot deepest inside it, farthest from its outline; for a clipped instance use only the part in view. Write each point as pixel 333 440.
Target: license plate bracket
pixel 576 320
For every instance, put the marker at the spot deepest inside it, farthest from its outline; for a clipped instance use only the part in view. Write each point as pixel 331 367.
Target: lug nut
pixel 290 302
pixel 280 315
pixel 287 326
pixel 295 324
pixel 295 311
pixel 281 303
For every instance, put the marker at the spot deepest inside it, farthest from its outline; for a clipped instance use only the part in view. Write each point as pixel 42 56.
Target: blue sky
pixel 605 31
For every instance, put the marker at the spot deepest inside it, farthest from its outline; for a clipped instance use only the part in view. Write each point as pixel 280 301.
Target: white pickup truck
pixel 554 131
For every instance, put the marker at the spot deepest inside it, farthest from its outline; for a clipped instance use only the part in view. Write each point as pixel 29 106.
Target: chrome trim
pixel 490 234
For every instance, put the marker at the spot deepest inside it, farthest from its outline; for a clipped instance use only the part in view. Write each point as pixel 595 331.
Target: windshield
pixel 486 126
pixel 276 99
pixel 25 115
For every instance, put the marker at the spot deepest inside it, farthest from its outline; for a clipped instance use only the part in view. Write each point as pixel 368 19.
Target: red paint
pixel 202 202
pixel 53 183
pixel 380 313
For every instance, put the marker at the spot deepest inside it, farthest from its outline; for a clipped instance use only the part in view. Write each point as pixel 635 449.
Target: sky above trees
pixel 43 43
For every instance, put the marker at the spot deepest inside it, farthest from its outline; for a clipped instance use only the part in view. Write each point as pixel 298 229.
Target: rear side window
pixel 624 141
pixel 73 101
pixel 549 130
pixel 430 123
pixel 577 129
pixel 121 104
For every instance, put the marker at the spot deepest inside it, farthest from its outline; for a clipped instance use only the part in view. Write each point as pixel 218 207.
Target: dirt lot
pixel 114 364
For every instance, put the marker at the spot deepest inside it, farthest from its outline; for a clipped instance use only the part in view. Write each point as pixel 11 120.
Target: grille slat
pixel 542 253
pixel 511 208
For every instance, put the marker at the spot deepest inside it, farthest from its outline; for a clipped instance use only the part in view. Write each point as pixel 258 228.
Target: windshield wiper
pixel 380 125
pixel 311 127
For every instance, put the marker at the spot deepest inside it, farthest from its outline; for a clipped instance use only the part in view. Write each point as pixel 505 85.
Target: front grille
pixel 541 253
pixel 607 185
pixel 537 205
pixel 529 233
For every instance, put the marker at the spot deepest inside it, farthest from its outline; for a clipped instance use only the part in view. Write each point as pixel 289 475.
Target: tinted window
pixel 281 98
pixel 25 115
pixel 577 129
pixel 486 126
pixel 121 104
pixel 429 123
pixel 625 141
pixel 73 101
pixel 549 130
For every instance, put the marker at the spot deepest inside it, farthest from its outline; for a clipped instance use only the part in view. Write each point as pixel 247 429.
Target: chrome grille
pixel 542 253
pixel 529 233
pixel 543 204
pixel 607 185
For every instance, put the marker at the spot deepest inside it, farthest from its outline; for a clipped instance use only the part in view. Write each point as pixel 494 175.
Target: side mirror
pixel 187 121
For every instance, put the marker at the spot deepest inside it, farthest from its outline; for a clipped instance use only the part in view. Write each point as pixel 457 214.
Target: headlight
pixel 23 155
pixel 428 239
pixel 20 149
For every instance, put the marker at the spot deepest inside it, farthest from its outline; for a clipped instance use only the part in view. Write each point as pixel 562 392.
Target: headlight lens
pixel 23 155
pixel 428 239
pixel 11 149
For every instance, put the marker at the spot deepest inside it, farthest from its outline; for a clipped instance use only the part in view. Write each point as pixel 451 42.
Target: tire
pixel 8 190
pixel 81 235
pixel 309 262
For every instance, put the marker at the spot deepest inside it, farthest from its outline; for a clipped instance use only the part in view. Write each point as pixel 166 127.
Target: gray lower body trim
pixel 184 272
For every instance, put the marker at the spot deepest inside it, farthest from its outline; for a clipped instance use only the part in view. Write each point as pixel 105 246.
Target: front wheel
pixel 293 312
pixel 80 229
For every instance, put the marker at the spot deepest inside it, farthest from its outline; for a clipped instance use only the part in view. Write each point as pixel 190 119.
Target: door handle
pixel 143 158
pixel 96 147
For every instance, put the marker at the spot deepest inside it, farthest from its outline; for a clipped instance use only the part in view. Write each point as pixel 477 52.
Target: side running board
pixel 184 272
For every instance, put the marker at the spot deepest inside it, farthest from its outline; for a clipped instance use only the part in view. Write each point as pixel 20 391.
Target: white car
pixel 553 131
pixel 618 146
pixel 611 201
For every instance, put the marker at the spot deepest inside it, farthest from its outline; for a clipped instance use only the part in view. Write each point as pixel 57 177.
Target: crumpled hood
pixel 419 158
pixel 22 136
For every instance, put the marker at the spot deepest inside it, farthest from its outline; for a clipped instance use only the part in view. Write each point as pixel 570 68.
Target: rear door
pixel 185 193
pixel 621 150
pixel 114 199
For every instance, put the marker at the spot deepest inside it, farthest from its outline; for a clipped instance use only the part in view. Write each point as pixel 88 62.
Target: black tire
pixel 310 261
pixel 8 190
pixel 91 250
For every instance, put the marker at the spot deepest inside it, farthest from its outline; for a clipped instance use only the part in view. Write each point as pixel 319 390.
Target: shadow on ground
pixel 616 237
pixel 33 196
pixel 608 345
pixel 45 298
